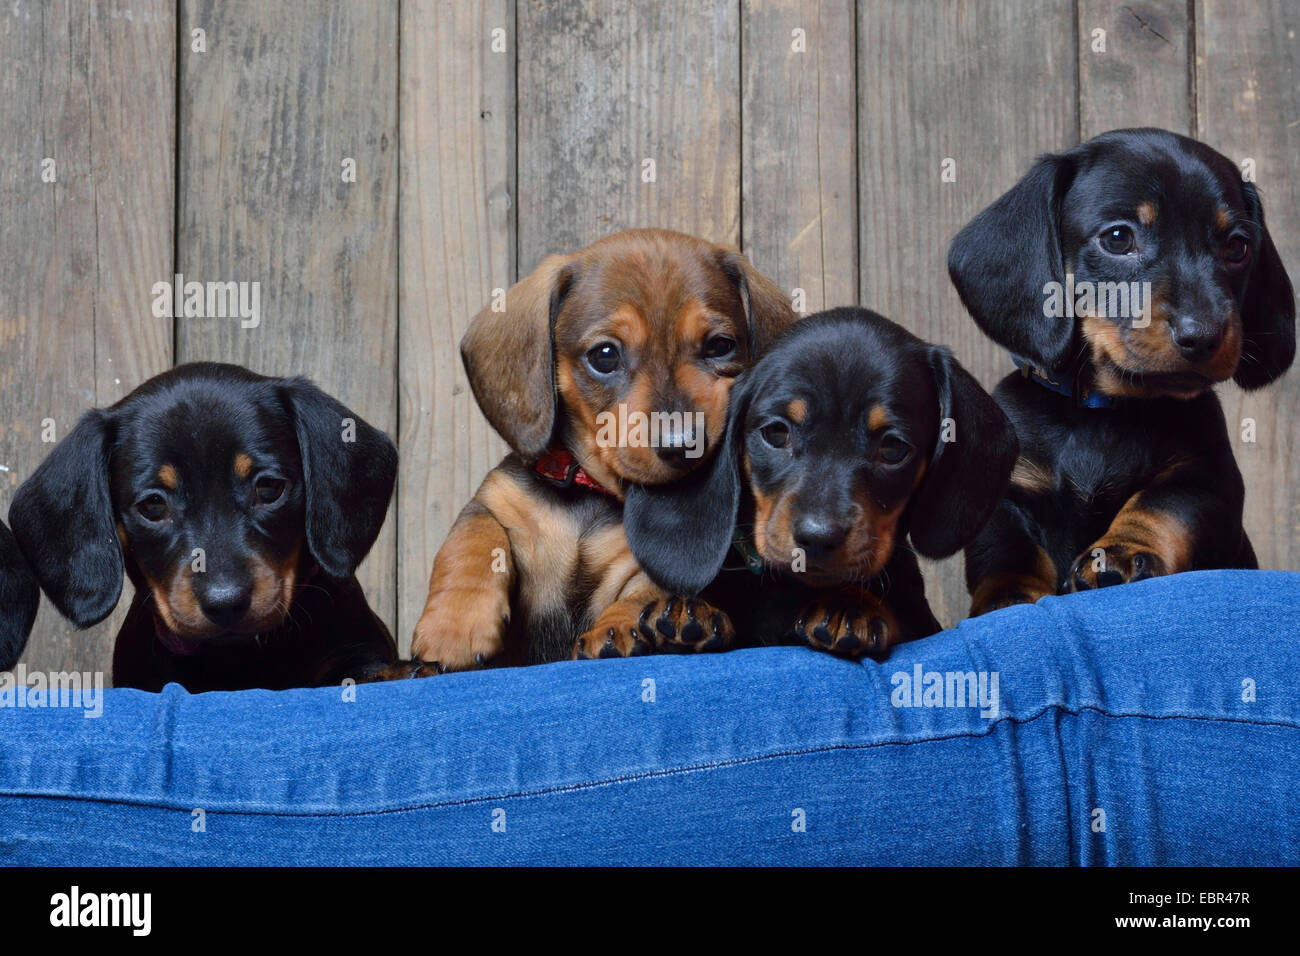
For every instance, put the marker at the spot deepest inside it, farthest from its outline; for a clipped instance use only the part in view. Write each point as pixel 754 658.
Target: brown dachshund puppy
pixel 605 370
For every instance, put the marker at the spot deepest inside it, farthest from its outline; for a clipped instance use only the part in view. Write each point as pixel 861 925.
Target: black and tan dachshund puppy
pixel 240 507
pixel 643 326
pixel 852 446
pixel 1126 469
pixel 19 598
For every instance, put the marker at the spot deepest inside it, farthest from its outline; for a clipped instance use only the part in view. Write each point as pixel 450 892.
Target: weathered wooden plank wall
pixel 606 90
pixel 1248 105
pixel 488 133
pixel 799 147
pixel 457 226
pixel 91 89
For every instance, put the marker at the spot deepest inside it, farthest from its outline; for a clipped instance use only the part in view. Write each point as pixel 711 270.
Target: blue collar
pixel 1064 387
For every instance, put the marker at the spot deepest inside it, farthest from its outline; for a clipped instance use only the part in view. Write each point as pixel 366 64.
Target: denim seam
pixel 649 774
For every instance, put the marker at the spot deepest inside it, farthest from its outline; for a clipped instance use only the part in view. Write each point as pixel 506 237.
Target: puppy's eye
pixel 719 346
pixel 776 434
pixel 152 507
pixel 604 358
pixel 1236 251
pixel 268 489
pixel 1118 240
pixel 893 450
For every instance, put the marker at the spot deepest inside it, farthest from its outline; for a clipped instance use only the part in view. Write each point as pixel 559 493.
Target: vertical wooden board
pixel 268 115
pixel 90 86
pixel 604 87
pixel 799 182
pixel 1248 107
pixel 988 85
pixel 133 138
pixel 457 244
pixel 1142 77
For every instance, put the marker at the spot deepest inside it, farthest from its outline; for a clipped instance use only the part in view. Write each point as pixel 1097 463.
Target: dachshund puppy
pixel 19 599
pixel 1126 470
pixel 240 506
pixel 851 445
pixel 606 370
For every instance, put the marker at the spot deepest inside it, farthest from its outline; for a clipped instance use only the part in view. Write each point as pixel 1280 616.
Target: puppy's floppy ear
pixel 680 533
pixel 1002 259
pixel 19 598
pixel 62 518
pixel 767 309
pixel 1267 311
pixel 349 468
pixel 966 477
pixel 510 357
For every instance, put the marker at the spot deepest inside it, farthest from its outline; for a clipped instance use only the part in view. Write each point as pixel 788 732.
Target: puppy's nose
pixel 819 536
pixel 1196 340
pixel 672 448
pixel 224 603
pixel 672 456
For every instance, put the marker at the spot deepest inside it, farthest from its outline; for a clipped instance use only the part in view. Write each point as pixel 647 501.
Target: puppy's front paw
pixel 1008 596
pixel 1025 585
pixel 462 628
pixel 669 625
pixel 998 601
pixel 401 670
pixel 849 625
pixel 1102 566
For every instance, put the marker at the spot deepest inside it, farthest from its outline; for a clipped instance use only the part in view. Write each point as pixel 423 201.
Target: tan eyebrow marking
pixel 878 418
pixel 1222 219
pixel 167 477
pixel 243 465
pixel 797 411
pixel 1147 213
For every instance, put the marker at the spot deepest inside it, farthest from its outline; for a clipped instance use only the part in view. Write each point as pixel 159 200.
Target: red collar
pixel 558 466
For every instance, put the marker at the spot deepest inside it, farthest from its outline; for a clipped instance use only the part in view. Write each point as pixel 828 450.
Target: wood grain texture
pixel 1143 77
pixel 91 86
pixel 799 176
pixel 602 87
pixel 457 244
pixel 1248 107
pixel 989 85
pixel 284 94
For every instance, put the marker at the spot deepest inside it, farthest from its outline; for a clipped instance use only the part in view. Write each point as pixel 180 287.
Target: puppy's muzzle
pixel 224 601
